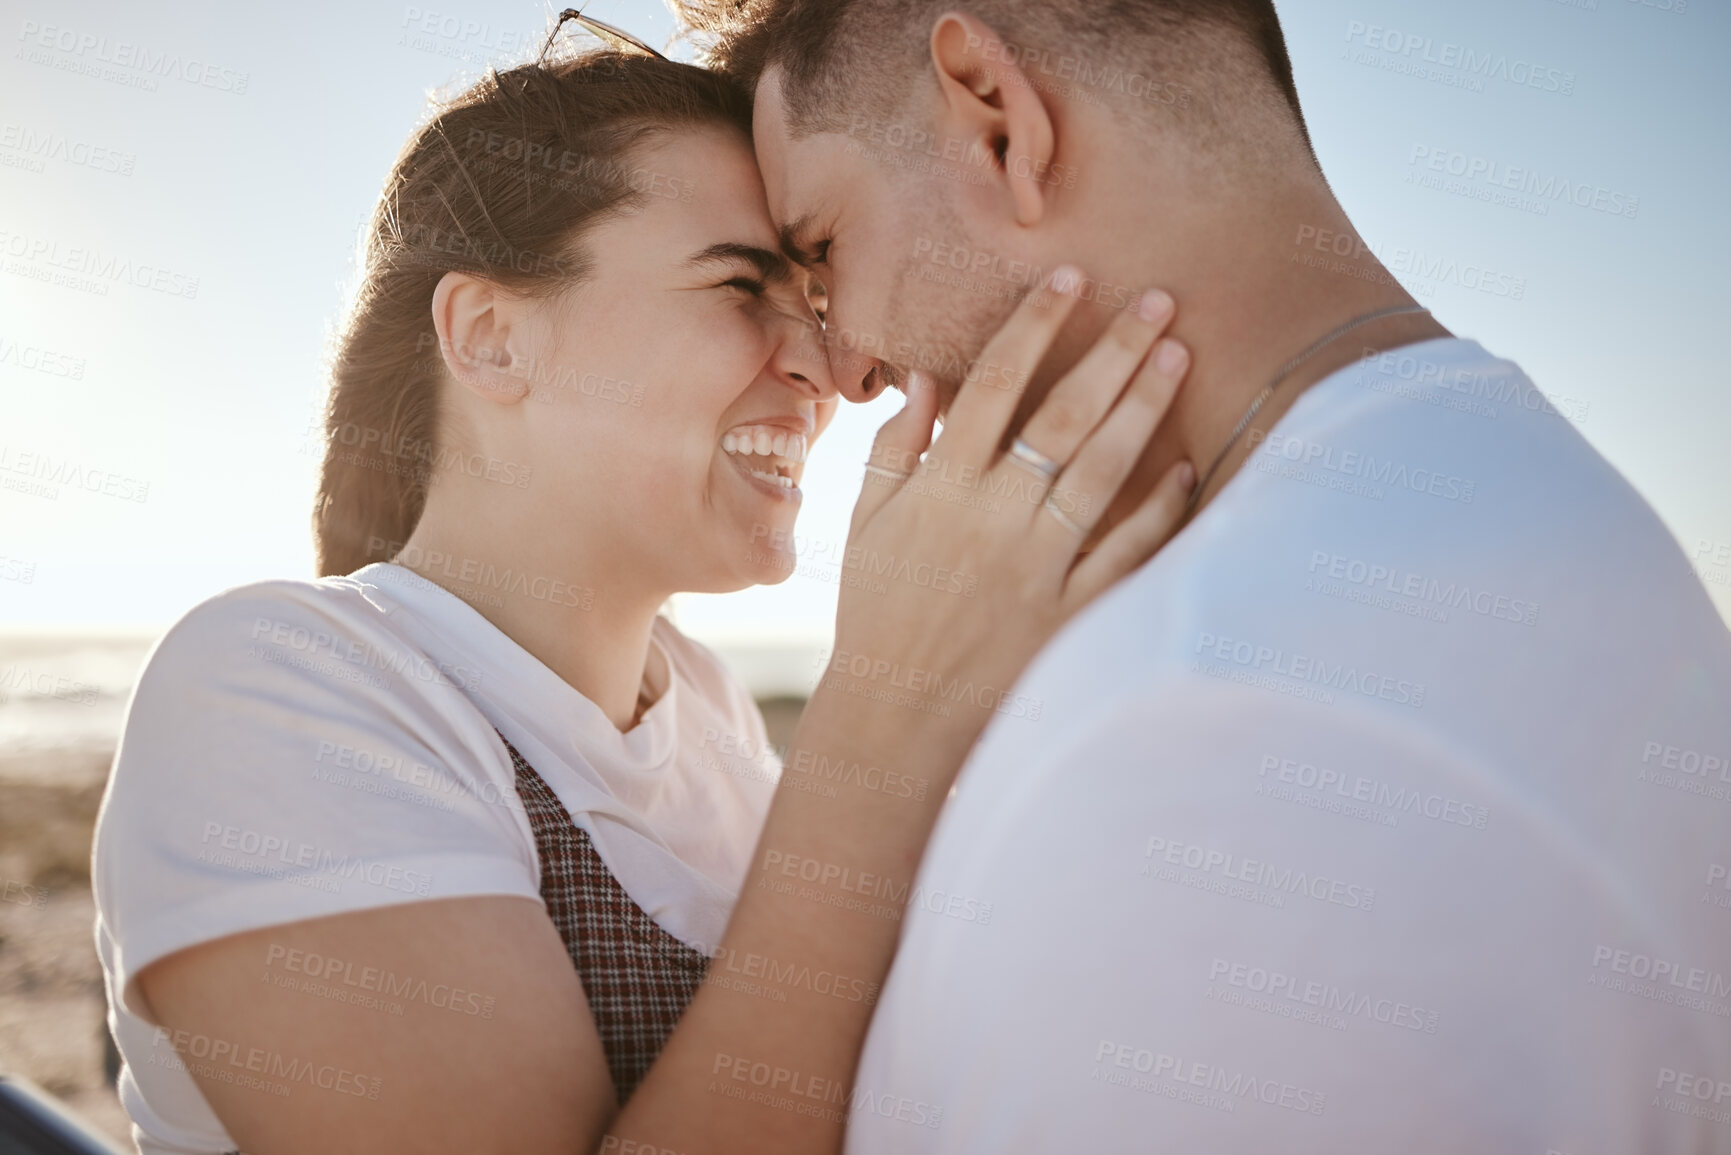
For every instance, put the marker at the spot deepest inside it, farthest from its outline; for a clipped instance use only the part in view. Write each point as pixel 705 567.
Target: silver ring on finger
pixel 1064 519
pixel 1031 459
pixel 889 473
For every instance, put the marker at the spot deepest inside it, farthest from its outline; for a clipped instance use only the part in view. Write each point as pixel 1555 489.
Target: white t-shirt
pixel 1388 809
pixel 298 749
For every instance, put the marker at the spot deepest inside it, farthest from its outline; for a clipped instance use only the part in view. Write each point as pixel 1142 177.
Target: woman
pixel 436 856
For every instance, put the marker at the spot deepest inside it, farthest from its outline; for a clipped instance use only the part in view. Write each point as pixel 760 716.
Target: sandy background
pixel 61 705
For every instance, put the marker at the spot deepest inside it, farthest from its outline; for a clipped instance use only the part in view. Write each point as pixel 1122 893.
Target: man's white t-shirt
pixel 1388 809
pixel 298 749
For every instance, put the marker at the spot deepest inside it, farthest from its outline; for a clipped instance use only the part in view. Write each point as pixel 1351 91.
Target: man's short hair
pixel 842 57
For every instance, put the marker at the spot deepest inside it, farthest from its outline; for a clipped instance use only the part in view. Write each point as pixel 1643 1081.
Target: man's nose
pixel 858 375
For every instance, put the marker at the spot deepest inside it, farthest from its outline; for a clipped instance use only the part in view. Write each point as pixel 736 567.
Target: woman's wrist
pixel 902 733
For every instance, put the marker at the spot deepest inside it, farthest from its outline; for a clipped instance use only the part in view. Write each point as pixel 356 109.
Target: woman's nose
pixel 801 361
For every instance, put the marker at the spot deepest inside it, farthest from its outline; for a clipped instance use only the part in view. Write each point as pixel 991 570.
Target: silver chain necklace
pixel 1286 371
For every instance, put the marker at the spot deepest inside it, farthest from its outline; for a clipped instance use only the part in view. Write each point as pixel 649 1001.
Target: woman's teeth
pixel 773 478
pixel 765 441
pixel 782 450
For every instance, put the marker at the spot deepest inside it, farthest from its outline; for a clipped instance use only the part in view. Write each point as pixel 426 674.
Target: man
pixel 1386 809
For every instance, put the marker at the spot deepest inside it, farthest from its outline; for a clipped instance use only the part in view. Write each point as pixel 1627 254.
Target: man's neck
pixel 1258 279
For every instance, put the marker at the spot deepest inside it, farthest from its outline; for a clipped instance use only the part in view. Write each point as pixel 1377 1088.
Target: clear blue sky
pixel 252 164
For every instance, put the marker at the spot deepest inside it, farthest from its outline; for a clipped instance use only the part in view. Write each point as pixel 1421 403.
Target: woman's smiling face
pixel 675 391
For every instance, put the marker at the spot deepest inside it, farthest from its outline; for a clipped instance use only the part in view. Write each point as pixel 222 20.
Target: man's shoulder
pixel 1369 508
pixel 1429 565
pixel 1443 434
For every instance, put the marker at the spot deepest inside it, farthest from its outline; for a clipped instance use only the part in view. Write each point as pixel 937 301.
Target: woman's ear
pixel 990 99
pixel 474 319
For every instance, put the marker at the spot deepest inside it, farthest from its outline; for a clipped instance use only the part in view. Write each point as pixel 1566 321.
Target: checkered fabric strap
pixel 637 976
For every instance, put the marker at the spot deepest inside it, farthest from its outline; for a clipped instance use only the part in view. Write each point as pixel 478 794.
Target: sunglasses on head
pixel 601 30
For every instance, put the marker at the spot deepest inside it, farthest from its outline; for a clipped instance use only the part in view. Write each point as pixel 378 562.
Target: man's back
pixel 1389 808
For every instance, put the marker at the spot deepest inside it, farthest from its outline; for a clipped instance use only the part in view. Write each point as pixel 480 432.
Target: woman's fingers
pixel 995 384
pixel 1133 540
pixel 1081 493
pixel 1079 401
pixel 896 449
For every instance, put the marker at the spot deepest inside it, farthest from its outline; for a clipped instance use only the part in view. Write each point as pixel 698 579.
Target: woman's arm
pixel 765 1064
pixel 918 670
pixel 480 1039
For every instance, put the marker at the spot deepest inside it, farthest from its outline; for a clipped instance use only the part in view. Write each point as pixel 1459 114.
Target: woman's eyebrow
pixel 770 265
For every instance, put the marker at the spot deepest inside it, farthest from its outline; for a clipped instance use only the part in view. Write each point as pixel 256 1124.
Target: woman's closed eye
pixel 785 296
pixel 749 268
pixel 753 285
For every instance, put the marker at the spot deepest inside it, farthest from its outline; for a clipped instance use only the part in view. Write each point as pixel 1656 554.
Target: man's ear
pixel 475 319
pixel 993 102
